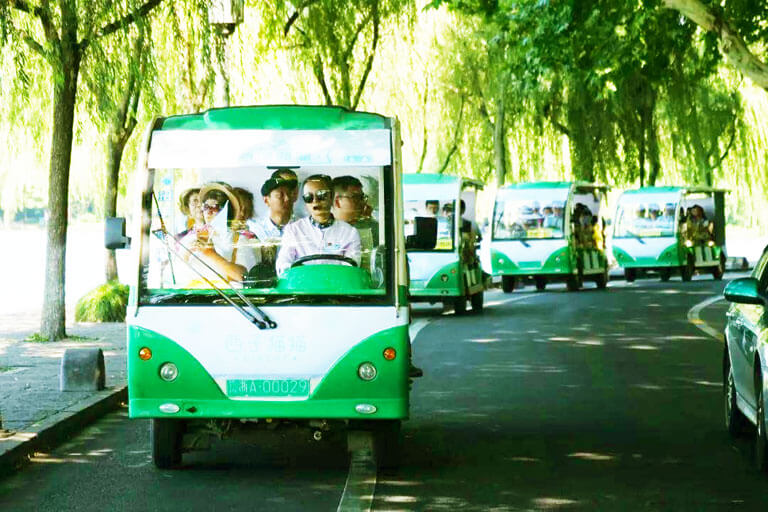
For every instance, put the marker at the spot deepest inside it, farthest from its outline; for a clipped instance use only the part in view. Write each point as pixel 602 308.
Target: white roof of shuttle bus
pixel 176 149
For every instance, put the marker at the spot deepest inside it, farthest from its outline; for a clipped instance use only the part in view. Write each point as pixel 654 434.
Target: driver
pixel 319 233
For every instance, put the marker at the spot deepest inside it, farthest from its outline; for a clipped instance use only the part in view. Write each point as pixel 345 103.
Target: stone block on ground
pixel 82 369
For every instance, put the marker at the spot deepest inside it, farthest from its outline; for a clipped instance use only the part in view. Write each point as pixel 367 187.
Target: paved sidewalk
pixel 34 413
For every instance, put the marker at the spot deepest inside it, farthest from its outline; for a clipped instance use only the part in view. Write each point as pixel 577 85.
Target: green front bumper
pixel 198 396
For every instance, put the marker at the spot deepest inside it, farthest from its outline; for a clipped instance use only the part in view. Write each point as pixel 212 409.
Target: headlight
pixel 688 243
pixel 711 243
pixel 366 371
pixel 169 372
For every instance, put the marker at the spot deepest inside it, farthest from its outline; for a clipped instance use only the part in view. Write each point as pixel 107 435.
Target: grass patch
pixel 5 369
pixel 39 338
pixel 105 303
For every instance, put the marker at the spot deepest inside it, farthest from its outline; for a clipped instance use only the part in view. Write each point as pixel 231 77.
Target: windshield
pixel 529 213
pixel 300 234
pixel 430 214
pixel 646 215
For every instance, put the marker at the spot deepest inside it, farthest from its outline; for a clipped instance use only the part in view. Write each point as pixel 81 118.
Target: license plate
pixel 268 387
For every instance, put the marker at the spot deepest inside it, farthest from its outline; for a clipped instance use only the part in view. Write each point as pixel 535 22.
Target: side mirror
pixel 114 234
pixel 424 237
pixel 744 290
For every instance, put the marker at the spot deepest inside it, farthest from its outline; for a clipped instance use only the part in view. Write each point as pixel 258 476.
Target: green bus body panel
pixel 716 251
pixel 329 279
pixel 434 286
pixel 335 396
pixel 671 256
pixel 277 117
pixel 503 265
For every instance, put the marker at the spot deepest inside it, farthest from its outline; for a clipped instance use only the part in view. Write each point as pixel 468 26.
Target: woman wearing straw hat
pixel 219 246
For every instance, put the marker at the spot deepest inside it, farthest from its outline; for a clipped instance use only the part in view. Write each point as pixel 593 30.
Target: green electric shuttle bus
pixel 238 321
pixel 670 229
pixel 548 231
pixel 442 246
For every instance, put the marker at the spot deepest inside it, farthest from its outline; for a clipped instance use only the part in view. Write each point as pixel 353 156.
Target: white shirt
pixel 303 238
pixel 264 229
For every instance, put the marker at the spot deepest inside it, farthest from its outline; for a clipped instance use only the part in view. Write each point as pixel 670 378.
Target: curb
pixel 16 449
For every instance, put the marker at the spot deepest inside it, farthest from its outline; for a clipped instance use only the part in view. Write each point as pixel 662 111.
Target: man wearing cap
pixel 280 192
pixel 320 232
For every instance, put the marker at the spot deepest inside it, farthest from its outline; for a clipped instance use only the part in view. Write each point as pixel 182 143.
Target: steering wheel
pixel 336 257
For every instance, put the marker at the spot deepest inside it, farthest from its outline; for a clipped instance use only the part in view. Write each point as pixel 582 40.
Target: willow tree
pixel 116 79
pixel 61 33
pixel 337 40
pixel 735 25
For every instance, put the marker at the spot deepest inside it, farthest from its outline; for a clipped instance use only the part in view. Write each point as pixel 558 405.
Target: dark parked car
pixel 745 359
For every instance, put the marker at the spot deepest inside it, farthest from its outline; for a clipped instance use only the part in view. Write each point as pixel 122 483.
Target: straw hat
pixel 227 191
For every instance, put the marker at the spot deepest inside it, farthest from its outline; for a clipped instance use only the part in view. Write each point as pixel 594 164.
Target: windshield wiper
pixel 639 238
pixel 256 316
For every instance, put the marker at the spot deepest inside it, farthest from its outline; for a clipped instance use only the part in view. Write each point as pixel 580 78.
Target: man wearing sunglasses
pixel 320 232
pixel 280 192
pixel 350 204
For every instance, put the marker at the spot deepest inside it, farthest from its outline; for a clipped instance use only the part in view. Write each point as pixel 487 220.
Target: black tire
pixel 665 274
pixel 477 302
pixel 686 271
pixel 573 283
pixel 388 444
pixel 735 421
pixel 761 442
pixel 719 270
pixel 630 275
pixel 165 438
pixel 601 280
pixel 508 284
pixel 541 283
pixel 460 305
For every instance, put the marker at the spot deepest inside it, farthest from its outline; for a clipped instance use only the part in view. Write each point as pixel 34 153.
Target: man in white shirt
pixel 280 192
pixel 320 232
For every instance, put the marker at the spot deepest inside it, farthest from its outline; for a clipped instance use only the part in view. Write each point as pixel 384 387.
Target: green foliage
pixel 105 303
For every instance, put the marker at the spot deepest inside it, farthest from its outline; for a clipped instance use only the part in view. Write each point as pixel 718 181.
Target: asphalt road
pixel 598 400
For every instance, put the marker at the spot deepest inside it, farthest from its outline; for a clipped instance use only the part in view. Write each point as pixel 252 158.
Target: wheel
pixel 630 275
pixel 687 270
pixel 664 274
pixel 601 280
pixel 508 283
pixel 460 305
pixel 761 442
pixel 477 302
pixel 573 283
pixel 719 270
pixel 388 443
pixel 165 438
pixel 735 421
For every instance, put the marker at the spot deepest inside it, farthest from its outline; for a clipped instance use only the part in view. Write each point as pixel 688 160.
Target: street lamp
pixel 224 16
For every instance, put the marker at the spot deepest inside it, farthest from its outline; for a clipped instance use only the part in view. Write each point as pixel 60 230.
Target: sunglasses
pixel 320 195
pixel 211 207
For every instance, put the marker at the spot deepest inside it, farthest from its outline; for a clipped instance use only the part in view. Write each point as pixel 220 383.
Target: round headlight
pixel 169 372
pixel 366 371
pixel 689 243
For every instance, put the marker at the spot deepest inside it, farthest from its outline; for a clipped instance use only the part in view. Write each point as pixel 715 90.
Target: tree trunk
pixel 115 147
pixel 64 96
pixel 500 143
